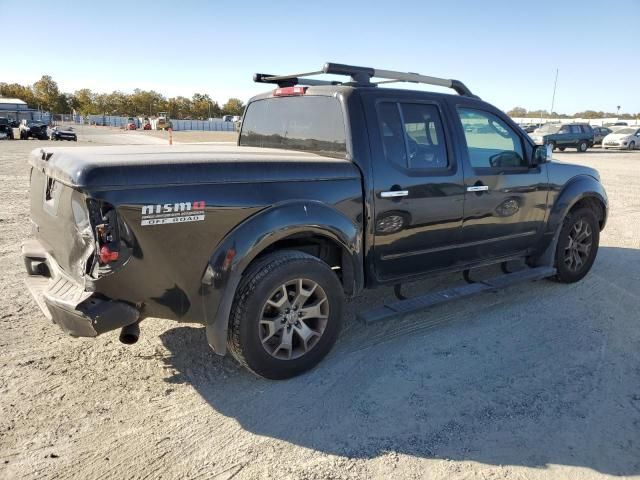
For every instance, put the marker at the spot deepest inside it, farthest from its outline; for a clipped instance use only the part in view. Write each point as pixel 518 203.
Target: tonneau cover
pixel 99 168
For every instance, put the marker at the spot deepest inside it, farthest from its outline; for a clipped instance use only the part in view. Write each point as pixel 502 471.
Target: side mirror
pixel 542 154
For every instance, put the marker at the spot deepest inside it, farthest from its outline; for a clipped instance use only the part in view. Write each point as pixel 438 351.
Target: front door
pixel 506 197
pixel 418 185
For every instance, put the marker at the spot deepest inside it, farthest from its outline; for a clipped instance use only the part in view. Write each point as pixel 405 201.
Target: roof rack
pixel 361 77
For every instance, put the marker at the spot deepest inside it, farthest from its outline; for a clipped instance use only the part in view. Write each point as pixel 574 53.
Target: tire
pixel 582 146
pixel 561 149
pixel 261 315
pixel 632 145
pixel 577 223
pixel 553 145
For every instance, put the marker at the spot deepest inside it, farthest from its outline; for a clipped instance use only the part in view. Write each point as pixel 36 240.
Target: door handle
pixel 394 193
pixel 478 188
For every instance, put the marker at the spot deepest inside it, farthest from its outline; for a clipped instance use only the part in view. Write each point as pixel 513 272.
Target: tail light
pixel 289 91
pixel 113 238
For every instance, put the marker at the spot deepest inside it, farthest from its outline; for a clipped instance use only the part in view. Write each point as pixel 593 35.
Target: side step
pixel 422 302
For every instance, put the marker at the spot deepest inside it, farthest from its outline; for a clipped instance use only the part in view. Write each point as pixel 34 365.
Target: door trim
pixel 394 256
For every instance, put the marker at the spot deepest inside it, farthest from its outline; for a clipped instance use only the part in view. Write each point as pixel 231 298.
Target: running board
pixel 422 302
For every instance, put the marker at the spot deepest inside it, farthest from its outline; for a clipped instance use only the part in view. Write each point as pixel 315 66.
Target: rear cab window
pixel 312 124
pixel 412 135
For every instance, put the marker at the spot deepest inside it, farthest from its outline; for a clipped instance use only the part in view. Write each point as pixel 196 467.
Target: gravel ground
pixel 535 382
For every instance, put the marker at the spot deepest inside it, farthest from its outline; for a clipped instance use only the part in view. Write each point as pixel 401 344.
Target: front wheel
pixel 577 245
pixel 632 145
pixel 286 315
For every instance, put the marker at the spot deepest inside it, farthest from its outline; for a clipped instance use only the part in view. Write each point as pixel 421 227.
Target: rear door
pixel 505 198
pixel 418 186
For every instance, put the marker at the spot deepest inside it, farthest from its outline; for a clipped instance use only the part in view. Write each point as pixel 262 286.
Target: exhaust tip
pixel 130 334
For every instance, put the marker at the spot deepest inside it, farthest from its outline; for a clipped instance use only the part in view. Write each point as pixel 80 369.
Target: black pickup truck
pixel 333 187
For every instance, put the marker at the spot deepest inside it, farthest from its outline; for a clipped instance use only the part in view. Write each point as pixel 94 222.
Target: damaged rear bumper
pixel 65 302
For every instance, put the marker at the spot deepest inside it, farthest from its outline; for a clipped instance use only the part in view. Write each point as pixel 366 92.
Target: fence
pixel 215 125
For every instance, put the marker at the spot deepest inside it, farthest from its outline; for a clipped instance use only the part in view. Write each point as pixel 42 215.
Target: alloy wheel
pixel 293 319
pixel 578 247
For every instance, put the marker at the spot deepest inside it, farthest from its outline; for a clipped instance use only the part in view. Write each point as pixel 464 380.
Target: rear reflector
pixel 287 91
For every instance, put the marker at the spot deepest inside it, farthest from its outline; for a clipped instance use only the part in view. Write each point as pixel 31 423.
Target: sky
pixel 506 52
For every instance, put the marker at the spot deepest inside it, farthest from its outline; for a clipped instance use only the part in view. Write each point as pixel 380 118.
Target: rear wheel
pixel 286 315
pixel 577 245
pixel 552 145
pixel 582 146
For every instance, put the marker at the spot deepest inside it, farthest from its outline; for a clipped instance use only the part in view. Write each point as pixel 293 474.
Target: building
pixel 17 109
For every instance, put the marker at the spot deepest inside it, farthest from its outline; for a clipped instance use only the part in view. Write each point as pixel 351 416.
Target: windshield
pixel 549 128
pixel 307 123
pixel 626 131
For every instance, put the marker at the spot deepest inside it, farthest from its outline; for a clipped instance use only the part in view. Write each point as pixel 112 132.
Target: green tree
pixel 179 107
pixel 517 112
pixel 15 90
pixel 83 101
pixel 234 106
pixel 200 105
pixel 47 94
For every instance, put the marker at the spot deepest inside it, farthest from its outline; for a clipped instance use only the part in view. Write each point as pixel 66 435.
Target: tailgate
pixel 61 223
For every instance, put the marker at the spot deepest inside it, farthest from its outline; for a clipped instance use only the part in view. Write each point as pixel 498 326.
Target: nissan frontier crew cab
pixel 334 186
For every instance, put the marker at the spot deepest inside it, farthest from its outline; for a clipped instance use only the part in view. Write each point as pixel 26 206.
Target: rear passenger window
pixel 412 135
pixel 491 143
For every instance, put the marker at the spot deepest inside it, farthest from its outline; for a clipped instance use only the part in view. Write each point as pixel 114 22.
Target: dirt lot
pixel 539 381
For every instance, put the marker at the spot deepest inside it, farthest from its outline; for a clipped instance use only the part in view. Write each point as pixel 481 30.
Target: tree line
pixel 45 95
pixel 519 112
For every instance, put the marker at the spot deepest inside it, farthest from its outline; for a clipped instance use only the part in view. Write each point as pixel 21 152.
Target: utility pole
pixel 553 98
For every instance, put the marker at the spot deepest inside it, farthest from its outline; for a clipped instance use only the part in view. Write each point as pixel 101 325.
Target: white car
pixel 625 137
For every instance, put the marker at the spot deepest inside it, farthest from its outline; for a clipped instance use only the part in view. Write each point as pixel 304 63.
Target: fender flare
pixel 578 188
pixel 243 244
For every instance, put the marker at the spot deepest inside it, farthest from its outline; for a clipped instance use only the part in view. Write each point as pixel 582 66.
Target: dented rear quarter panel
pixel 165 269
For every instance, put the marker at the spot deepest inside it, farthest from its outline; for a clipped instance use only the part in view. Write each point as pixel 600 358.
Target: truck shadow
pixel 539 374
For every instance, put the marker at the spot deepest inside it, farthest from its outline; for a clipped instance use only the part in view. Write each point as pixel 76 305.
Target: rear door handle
pixel 394 193
pixel 478 188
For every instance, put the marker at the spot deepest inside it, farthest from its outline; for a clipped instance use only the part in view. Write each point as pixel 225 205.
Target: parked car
pixel 331 189
pixel 6 132
pixel 530 128
pixel 599 133
pixel 7 127
pixel 33 129
pixel 616 124
pixel 62 132
pixel 562 136
pixel 131 124
pixel 625 137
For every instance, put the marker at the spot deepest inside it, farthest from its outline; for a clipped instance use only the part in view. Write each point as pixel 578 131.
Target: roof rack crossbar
pixel 275 78
pixel 290 80
pixel 361 76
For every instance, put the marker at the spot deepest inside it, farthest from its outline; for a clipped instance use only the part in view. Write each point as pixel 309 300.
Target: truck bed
pixel 97 168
